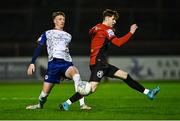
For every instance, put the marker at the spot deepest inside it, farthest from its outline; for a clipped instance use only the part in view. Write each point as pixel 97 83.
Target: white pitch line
pixel 17 98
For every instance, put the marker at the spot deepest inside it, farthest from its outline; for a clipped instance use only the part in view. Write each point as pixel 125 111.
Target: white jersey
pixel 57 42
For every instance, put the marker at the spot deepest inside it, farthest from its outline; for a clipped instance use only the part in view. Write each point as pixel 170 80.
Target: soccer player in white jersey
pixel 60 64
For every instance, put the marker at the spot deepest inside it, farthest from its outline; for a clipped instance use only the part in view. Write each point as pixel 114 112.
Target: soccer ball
pixel 84 88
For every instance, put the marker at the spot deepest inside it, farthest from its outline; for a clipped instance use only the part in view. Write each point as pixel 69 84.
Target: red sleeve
pixel 122 40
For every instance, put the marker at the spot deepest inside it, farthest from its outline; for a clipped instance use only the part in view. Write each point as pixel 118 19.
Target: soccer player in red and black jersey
pixel 102 35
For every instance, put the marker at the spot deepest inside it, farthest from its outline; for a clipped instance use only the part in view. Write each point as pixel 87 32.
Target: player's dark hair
pixel 54 14
pixel 110 13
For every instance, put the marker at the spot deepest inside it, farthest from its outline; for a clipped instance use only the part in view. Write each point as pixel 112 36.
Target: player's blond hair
pixel 57 13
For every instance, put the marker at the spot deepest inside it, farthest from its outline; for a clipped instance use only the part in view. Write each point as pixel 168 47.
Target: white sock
pixel 42 98
pixel 146 91
pixel 69 102
pixel 42 95
pixel 81 101
pixel 77 79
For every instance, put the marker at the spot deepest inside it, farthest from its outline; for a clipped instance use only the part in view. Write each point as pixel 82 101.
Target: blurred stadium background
pixel 152 55
pixel 22 22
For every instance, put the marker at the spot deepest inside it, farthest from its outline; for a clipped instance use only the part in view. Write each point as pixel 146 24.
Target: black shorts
pixel 98 71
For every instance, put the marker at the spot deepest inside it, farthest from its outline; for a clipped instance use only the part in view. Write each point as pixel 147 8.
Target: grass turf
pixel 112 101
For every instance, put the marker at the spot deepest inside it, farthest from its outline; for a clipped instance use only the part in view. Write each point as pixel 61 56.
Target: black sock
pixel 134 84
pixel 42 101
pixel 75 97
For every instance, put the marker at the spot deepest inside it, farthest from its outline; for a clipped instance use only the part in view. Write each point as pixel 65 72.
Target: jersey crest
pixel 110 32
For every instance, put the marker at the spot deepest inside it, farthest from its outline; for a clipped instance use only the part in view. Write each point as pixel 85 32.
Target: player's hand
pixel 30 69
pixel 133 28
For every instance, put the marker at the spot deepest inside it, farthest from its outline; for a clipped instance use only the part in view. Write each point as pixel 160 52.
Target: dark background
pixel 23 21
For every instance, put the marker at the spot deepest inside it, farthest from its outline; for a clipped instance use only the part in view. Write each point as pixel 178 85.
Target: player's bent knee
pixel 121 74
pixel 71 71
pixel 93 90
pixel 93 87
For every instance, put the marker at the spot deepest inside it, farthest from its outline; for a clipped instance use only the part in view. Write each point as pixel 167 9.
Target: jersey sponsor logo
pixel 110 32
pixel 100 74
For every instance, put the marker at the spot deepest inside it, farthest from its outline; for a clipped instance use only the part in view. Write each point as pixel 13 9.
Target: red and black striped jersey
pixel 101 37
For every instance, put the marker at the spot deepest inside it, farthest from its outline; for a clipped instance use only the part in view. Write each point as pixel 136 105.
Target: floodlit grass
pixel 112 101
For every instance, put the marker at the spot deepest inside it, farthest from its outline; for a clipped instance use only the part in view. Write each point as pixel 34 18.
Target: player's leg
pixel 52 77
pixel 129 81
pixel 95 75
pixel 77 96
pixel 47 87
pixel 135 85
pixel 73 73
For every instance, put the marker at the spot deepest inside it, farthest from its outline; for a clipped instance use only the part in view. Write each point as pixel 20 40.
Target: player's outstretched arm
pixel 133 28
pixel 122 40
pixel 30 69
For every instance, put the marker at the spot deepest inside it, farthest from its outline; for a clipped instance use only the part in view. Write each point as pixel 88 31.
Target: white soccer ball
pixel 84 88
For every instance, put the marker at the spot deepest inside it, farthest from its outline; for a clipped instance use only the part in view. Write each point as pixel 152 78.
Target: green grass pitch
pixel 112 101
